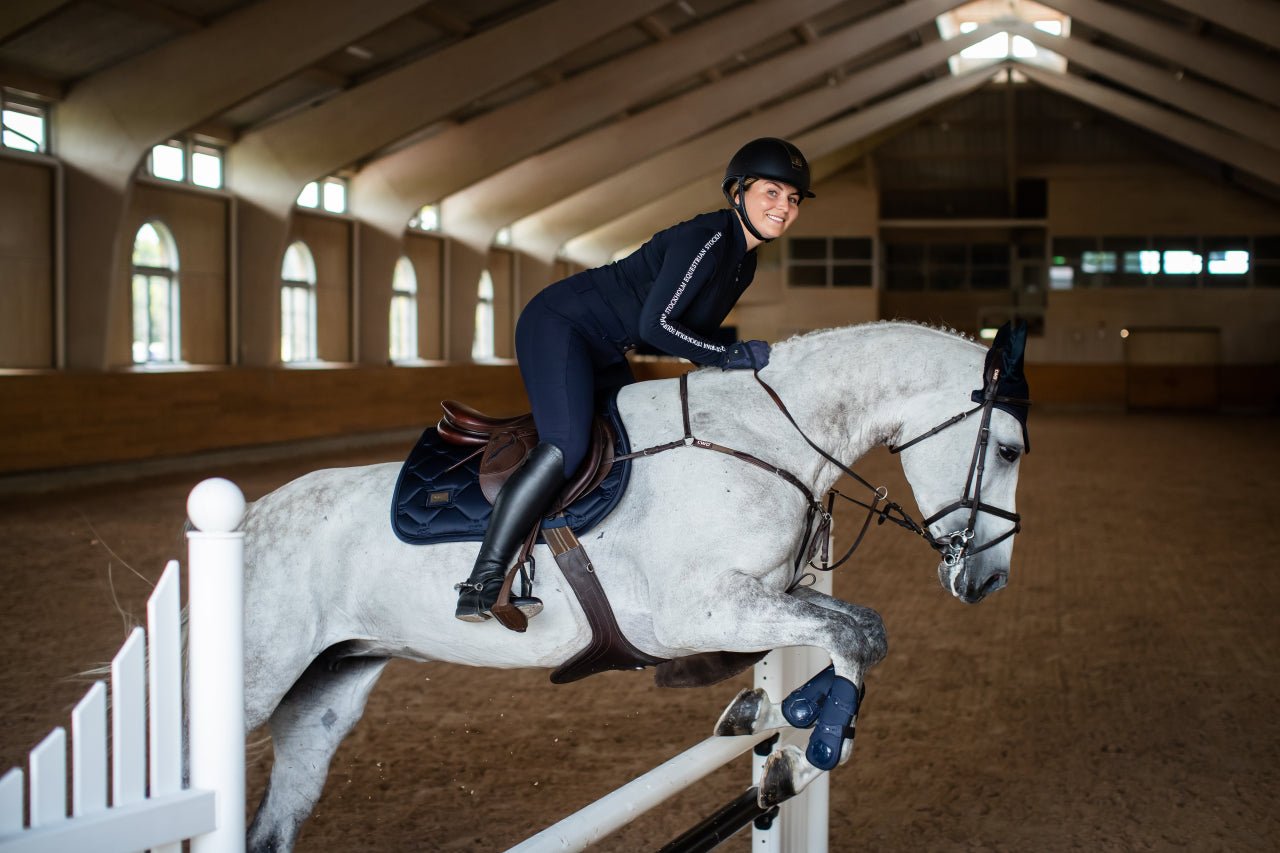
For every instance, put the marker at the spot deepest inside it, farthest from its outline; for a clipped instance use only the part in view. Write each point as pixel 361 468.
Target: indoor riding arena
pixel 252 239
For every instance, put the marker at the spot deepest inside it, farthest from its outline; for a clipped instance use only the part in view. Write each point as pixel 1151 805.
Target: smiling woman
pixel 672 293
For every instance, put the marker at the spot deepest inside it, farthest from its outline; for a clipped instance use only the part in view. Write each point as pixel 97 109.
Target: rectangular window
pixel 1266 260
pixel 1132 265
pixel 426 219
pixel 989 266
pixel 310 195
pixel 1216 262
pixel 951 266
pixel 1092 262
pixel 329 194
pixel 188 162
pixel 830 261
pixel 168 161
pixel 335 195
pixel 25 124
pixel 1068 267
pixel 206 166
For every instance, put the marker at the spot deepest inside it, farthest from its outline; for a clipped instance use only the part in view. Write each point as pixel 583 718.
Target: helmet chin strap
pixel 742 212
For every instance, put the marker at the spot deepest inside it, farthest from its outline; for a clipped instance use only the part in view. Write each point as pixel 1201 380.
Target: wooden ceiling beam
pixel 1257 19
pixel 441 18
pixel 17 17
pixel 156 13
pixel 654 28
pixel 25 83
pixel 1224 108
pixel 1252 74
pixel 1241 153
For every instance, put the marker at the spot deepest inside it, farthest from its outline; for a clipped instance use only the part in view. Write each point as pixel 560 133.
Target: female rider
pixel 572 338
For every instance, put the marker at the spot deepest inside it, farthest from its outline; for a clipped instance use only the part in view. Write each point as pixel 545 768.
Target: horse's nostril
pixel 993 583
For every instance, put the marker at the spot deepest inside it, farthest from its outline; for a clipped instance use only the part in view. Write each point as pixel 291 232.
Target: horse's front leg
pixel 753 711
pixel 852 635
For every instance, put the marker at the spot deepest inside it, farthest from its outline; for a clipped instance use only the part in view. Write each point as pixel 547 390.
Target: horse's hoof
pixel 778 783
pixel 741 715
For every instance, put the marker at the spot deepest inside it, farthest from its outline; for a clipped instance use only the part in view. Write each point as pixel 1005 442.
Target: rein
pixel 952 546
pixel 814 508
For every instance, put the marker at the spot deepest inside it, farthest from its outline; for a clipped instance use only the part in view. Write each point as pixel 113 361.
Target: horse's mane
pixel 818 335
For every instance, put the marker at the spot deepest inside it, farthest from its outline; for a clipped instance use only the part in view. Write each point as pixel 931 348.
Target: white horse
pixel 697 557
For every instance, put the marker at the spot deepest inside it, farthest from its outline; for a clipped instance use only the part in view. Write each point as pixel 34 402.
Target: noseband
pixel 953 546
pixel 956 545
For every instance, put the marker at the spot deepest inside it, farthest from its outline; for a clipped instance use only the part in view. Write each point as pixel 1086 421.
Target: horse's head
pixel 962 462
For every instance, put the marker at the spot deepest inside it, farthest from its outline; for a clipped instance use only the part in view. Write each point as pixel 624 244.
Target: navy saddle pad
pixel 438 499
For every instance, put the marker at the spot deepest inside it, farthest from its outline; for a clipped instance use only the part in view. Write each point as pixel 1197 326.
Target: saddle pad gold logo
pixel 437 498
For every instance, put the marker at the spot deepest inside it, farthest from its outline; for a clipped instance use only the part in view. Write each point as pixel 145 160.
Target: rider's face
pixel 772 207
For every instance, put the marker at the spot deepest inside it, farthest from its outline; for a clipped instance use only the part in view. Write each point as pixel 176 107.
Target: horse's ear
pixel 1014 347
pixel 1008 350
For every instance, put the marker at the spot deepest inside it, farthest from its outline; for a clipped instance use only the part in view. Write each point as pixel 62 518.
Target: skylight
pixel 1004 45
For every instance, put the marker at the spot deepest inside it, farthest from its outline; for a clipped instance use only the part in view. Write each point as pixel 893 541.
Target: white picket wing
pixel 89 752
pixel 149 809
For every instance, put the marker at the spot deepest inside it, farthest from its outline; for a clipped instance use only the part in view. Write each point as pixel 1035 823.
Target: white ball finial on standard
pixel 215 505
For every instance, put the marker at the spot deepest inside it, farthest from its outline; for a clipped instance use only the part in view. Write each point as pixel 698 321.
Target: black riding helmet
pixel 768 157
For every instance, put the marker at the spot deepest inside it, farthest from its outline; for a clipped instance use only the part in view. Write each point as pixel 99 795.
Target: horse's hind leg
pixel 320 709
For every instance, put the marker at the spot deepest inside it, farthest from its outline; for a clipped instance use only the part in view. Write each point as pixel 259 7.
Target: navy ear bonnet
pixel 1010 392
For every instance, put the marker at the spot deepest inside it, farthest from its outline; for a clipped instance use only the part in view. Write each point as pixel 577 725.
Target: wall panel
pixel 329 239
pixel 60 419
pixel 27 320
pixel 198 222
pixel 427 255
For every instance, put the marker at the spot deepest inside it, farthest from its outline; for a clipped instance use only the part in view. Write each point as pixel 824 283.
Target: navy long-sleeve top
pixel 676 290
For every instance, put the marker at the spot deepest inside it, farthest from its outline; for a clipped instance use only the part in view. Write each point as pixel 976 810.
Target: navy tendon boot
pixel 523 500
pixel 801 707
pixel 833 729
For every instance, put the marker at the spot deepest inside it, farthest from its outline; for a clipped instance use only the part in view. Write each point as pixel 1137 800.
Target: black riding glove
pixel 745 355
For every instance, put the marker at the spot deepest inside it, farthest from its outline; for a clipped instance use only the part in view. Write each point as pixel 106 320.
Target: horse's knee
pixel 875 638
pixel 868 637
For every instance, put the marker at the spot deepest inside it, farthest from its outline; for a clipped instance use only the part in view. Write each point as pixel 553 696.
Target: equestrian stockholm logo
pixel 679 290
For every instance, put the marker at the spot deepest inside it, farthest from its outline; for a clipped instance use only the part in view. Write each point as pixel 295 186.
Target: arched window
pixel 155 295
pixel 404 312
pixel 482 344
pixel 298 305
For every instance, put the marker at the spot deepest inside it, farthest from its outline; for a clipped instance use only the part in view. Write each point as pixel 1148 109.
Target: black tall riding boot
pixel 524 499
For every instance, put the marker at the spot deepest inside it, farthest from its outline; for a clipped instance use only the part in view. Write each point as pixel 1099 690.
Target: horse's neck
pixel 848 389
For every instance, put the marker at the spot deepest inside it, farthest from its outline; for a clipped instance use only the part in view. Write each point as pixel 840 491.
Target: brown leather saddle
pixel 507 441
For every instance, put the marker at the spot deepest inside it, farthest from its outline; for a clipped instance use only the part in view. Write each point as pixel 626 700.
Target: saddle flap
pixel 504 453
pixel 594 468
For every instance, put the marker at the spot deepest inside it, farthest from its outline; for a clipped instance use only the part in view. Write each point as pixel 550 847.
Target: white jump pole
pixel 623 805
pixel 215 658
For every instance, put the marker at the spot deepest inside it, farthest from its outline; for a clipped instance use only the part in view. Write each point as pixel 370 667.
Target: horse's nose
pixel 982 584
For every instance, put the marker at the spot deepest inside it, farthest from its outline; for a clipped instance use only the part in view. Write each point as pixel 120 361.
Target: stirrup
pixel 525 607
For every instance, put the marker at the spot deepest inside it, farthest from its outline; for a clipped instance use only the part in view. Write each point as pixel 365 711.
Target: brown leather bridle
pixel 953 546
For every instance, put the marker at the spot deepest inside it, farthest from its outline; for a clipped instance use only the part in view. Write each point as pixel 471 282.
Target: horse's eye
pixel 1009 454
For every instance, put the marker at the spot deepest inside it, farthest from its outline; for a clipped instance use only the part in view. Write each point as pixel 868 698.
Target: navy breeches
pixel 570 346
